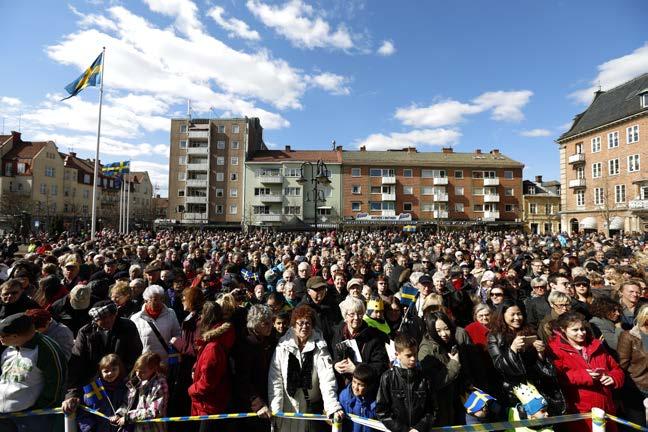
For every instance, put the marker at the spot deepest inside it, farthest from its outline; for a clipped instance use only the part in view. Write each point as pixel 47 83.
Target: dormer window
pixel 643 98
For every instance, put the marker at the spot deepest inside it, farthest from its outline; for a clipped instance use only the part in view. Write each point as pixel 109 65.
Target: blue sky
pixel 471 74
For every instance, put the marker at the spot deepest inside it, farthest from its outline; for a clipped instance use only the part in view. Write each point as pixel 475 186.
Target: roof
pixel 136 176
pixel 413 158
pixel 545 189
pixel 25 150
pixel 609 106
pixel 278 156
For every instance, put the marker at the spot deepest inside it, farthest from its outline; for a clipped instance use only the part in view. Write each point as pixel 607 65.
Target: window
pixel 598 196
pixel 478 191
pixel 619 194
pixel 531 190
pixel 507 175
pixel 261 191
pixel 356 189
pixel 233 176
pixel 21 168
pixel 356 206
pixel 182 176
pixel 220 145
pixel 478 207
pixel 458 174
pixel 234 160
pixel 219 209
pixel 580 198
pixel 643 193
pixel 579 148
pixel 219 193
pixel 49 172
pixel 459 190
pixel 459 207
pixel 613 166
pixel 375 172
pixel 355 172
pixel 221 129
pixel 235 128
pixel 427 173
pixel 292 210
pixel 235 145
pixel 509 191
pixel 233 192
pixel 596 170
pixel 292 172
pixel 220 160
pixel 183 144
pixel 613 140
pixel 380 205
pixel 427 190
pixel 292 191
pixel 324 211
pixel 533 208
pixel 43 188
pixel 233 209
pixel 548 209
pixel 182 160
pixel 596 144
pixel 220 176
pixel 633 163
pixel 407 206
pixel 643 99
pixel 408 172
pixel 632 134
pixel 261 209
pixel 181 192
pixel 183 128
pixel 408 190
pixel 580 172
pixel 509 208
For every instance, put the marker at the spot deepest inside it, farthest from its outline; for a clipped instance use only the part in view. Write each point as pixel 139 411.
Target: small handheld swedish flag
pixel 94 392
pixel 90 77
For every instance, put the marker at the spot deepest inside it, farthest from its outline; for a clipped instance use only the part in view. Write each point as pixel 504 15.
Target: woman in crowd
pixel 559 303
pixel 587 373
pixel 605 322
pixel 478 329
pixel 497 295
pixel 121 294
pixel 49 290
pixel 633 359
pixel 301 378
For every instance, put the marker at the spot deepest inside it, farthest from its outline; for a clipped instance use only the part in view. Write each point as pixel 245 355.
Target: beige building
pixel 603 162
pixel 541 204
pixel 207 169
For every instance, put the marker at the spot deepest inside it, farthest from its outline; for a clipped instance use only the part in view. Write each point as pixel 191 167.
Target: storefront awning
pixel 588 223
pixel 617 223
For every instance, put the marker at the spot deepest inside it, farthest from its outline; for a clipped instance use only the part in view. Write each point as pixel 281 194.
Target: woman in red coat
pixel 211 388
pixel 587 373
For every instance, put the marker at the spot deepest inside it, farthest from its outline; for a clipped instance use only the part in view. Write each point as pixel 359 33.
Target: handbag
pixel 173 355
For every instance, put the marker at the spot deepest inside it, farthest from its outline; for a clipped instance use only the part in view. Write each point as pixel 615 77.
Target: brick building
pixel 605 185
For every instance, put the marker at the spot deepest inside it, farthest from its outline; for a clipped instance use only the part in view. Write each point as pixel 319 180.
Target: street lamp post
pixel 318 175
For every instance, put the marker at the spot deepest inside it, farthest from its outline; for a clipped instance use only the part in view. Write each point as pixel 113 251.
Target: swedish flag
pixel 90 77
pixel 94 392
pixel 116 168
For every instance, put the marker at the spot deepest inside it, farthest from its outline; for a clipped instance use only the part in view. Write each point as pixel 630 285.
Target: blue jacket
pixel 360 406
pixel 91 423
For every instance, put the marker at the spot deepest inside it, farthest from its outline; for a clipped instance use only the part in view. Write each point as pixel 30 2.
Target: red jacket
pixel 210 391
pixel 478 333
pixel 580 390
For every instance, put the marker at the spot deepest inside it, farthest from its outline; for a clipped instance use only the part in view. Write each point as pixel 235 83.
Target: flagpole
pixel 128 203
pixel 96 166
pixel 121 202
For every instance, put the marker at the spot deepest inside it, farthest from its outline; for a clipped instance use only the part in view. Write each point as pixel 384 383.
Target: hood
pixel 223 333
pixel 560 343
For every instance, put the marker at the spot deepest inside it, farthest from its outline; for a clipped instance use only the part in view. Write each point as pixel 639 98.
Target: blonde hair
pixel 150 360
pixel 642 316
pixel 121 288
pixel 228 305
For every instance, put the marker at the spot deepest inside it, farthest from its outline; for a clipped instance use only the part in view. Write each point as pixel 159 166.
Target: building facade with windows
pixel 603 159
pixel 279 191
pixel 541 204
pixel 444 188
pixel 207 168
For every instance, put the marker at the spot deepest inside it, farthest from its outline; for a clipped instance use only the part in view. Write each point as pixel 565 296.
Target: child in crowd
pixel 406 400
pixel 481 408
pixel 281 322
pixel 532 406
pixel 148 395
pixel 112 380
pixel 359 398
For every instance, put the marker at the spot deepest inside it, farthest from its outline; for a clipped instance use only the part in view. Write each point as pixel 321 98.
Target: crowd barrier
pixel 598 417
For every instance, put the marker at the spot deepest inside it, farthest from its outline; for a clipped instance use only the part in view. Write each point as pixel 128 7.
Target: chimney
pixel 478 151
pixel 363 148
pixel 157 196
pixel 538 179
pixel 447 150
pixel 338 148
pixel 288 148
pixel 16 136
pixel 495 152
pixel 73 154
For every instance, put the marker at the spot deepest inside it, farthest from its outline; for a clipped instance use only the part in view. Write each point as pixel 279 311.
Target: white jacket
pixel 324 384
pixel 167 324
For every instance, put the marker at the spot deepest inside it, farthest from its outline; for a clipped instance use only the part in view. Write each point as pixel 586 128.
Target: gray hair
pixel 257 315
pixel 479 308
pixel 153 290
pixel 556 296
pixel 352 304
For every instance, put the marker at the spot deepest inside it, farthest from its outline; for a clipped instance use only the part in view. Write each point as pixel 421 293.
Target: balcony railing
pixel 389 180
pixel 196 183
pixel 389 196
pixel 491 215
pixel 491 198
pixel 198 166
pixel 198 134
pixel 269 198
pixel 269 217
pixel 577 183
pixel 194 217
pixel 440 181
pixel 196 200
pixel 491 181
pixel 197 150
pixel 440 214
pixel 270 178
pixel 576 158
pixel 638 204
pixel 442 197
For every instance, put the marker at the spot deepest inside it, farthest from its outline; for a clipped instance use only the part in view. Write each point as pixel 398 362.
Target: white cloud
pixel 417 138
pixel 301 25
pixel 185 13
pixel 333 83
pixel 234 26
pixel 505 105
pixel 10 102
pixel 615 72
pixel 386 49
pixel 92 20
pixel 158 173
pixel 536 133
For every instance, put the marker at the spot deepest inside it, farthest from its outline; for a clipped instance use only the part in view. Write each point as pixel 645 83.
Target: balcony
pixel 194 217
pixel 270 178
pixel 491 181
pixel 196 183
pixel 638 204
pixel 197 150
pixel 441 197
pixel 198 166
pixel 491 198
pixel 388 213
pixel 491 215
pixel 389 196
pixel 269 198
pixel 269 217
pixel 576 158
pixel 389 180
pixel 578 183
pixel 199 134
pixel 440 181
pixel 196 199
pixel 440 214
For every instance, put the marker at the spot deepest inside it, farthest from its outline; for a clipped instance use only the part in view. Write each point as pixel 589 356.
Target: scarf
pixel 300 377
pixel 153 314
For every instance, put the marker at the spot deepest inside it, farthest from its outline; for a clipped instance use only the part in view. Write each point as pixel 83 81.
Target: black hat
pixel 16 324
pixel 581 280
pixel 425 279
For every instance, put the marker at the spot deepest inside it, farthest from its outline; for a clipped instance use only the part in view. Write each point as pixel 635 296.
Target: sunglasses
pixel 497 295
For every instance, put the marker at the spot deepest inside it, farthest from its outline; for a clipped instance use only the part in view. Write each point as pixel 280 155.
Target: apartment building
pixel 442 188
pixel 605 185
pixel 541 204
pixel 207 167
pixel 281 187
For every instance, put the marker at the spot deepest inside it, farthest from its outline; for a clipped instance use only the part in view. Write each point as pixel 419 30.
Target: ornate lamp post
pixel 318 176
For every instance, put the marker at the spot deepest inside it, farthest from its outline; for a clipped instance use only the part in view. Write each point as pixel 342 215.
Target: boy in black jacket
pixel 405 400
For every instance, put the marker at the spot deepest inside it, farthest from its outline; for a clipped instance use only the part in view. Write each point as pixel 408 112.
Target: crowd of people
pixel 415 330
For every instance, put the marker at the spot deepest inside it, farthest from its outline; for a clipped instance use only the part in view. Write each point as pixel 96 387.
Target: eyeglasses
pixel 303 324
pixel 562 306
pixel 497 295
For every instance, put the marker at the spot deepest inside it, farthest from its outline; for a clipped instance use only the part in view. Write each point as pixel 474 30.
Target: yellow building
pixel 541 203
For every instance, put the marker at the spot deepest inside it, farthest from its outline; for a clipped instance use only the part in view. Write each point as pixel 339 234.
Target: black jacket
pixel 21 305
pixel 89 347
pixel 371 344
pixel 405 400
pixel 327 315
pixel 63 312
pixel 536 309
